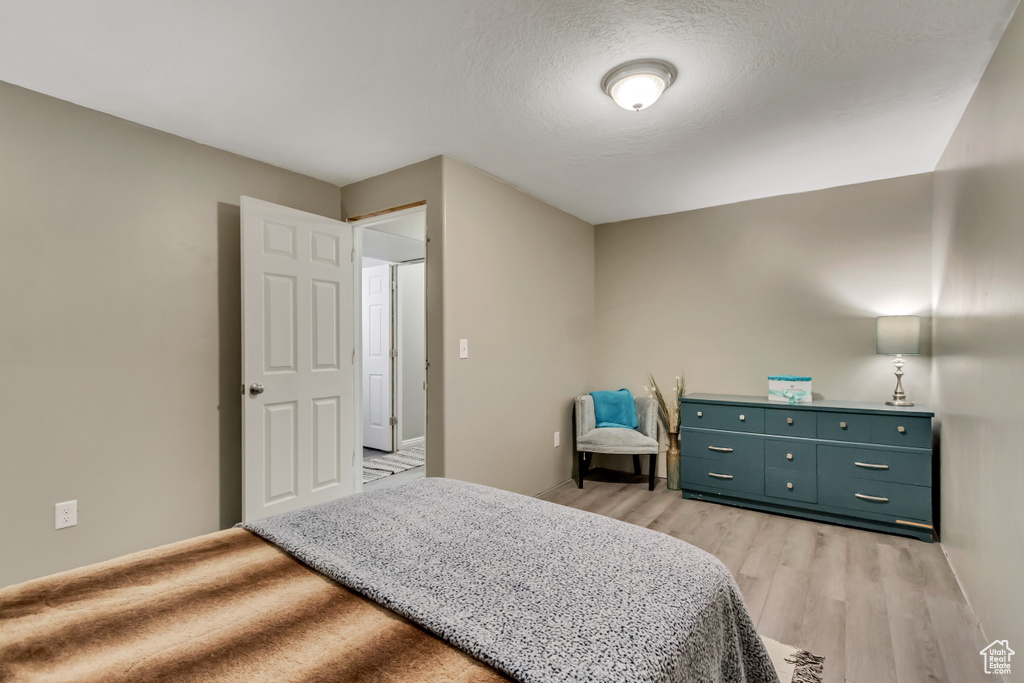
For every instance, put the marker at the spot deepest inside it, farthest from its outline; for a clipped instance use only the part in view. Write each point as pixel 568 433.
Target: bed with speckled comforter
pixel 541 592
pixel 436 580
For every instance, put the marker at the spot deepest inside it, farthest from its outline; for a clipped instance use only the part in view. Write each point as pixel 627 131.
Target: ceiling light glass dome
pixel 638 84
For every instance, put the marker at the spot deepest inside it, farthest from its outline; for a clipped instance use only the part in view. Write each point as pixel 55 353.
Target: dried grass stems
pixel 669 412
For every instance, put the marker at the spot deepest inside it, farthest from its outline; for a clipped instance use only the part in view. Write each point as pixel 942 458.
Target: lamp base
pixel 899 397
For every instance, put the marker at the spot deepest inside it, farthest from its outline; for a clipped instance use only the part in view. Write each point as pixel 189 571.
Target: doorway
pixel 391 253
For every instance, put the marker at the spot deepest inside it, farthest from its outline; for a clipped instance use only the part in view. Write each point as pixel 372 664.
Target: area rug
pixel 386 465
pixel 793 664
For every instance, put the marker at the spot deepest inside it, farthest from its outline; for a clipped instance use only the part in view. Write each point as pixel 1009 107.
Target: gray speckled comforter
pixel 540 591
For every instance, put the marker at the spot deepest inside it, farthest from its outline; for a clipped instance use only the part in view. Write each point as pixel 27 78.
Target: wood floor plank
pixel 710 534
pixel 862 558
pixel 869 654
pixel 960 639
pixel 755 593
pixel 651 508
pixel 823 632
pixel 764 553
pixel 628 499
pixel 939 577
pixel 783 614
pixel 915 648
pixel 737 541
pixel 798 548
pixel 879 608
pixel 684 520
pixel 828 566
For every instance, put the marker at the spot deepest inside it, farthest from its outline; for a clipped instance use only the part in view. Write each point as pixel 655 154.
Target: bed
pixel 435 580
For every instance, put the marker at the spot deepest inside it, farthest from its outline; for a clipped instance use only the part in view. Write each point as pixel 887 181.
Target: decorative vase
pixel 672 462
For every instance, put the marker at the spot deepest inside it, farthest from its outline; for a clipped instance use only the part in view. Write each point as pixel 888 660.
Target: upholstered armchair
pixel 614 440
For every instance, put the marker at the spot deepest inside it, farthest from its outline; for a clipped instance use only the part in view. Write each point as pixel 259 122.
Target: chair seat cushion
pixel 616 440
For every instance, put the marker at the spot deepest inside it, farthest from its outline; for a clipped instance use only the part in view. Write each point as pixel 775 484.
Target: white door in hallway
pixel 378 430
pixel 298 320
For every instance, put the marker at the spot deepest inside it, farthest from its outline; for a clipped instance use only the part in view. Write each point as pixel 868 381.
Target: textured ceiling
pixel 773 96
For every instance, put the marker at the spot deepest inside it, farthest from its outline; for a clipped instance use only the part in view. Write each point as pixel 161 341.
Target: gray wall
pixel 518 282
pixel 519 285
pixel 784 285
pixel 979 342
pixel 412 350
pixel 414 183
pixel 120 331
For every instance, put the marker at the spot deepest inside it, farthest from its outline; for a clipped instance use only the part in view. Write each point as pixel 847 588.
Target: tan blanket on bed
pixel 223 607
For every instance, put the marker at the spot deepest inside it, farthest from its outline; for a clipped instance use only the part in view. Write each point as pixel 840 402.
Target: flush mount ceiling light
pixel 638 84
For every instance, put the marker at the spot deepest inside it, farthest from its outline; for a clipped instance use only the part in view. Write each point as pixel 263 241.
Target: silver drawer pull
pixel 700 413
pixel 789 486
pixel 871 466
pixel 743 418
pixel 842 425
pixel 789 420
pixel 901 430
pixel 719 449
pixel 789 456
pixel 719 476
pixel 874 498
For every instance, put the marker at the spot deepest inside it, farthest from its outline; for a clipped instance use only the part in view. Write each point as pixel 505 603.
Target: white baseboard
pixel 410 443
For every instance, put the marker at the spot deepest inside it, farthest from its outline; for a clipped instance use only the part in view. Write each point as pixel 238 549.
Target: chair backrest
pixel 646 413
pixel 586 418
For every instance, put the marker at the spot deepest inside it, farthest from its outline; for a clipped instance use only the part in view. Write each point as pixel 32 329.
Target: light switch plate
pixel 463 348
pixel 557 439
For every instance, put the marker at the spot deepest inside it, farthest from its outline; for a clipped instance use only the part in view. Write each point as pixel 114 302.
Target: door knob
pixel 255 389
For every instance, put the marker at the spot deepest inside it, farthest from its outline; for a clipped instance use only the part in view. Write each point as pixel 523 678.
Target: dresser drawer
pixel 792 485
pixel 745 477
pixel 881 497
pixel 845 427
pixel 714 416
pixel 722 446
pixel 790 455
pixel 876 465
pixel 782 422
pixel 896 430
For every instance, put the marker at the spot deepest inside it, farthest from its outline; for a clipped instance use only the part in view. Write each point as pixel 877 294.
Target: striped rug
pixel 386 465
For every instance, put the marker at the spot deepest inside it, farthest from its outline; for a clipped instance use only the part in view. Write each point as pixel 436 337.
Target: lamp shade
pixel 898 334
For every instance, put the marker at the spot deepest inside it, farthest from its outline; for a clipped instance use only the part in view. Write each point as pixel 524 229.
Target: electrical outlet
pixel 557 439
pixel 66 514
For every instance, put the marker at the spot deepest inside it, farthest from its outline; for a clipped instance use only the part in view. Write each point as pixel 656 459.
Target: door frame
pixel 359 224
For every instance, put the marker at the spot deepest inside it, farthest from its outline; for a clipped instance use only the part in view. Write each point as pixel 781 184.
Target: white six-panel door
pixel 298 418
pixel 377 344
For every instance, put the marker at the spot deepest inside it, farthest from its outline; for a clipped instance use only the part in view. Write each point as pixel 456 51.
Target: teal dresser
pixel 865 465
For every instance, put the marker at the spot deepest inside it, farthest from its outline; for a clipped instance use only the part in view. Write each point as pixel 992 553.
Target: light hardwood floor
pixel 879 608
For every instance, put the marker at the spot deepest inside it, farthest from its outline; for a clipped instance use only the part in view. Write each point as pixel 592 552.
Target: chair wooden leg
pixel 654 464
pixel 581 468
pixel 636 464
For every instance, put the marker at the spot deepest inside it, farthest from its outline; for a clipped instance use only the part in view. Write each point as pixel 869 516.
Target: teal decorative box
pixel 789 389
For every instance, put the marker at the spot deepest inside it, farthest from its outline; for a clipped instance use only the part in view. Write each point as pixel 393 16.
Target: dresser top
pixel 825 406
